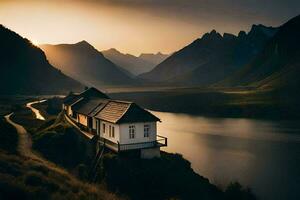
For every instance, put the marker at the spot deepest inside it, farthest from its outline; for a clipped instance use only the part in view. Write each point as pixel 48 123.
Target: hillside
pixel 133 64
pixel 25 69
pixel 86 64
pixel 26 178
pixel 211 58
pixel 278 66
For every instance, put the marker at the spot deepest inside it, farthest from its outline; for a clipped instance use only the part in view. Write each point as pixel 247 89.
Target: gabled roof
pixel 89 93
pixel 71 98
pixel 124 112
pixel 93 93
pixel 89 107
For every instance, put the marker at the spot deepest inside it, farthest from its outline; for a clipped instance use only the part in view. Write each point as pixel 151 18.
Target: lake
pixel 264 155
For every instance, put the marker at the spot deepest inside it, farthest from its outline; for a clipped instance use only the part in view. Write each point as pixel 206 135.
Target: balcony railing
pixel 159 142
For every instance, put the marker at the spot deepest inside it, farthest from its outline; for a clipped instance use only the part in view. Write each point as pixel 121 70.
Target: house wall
pixel 69 111
pixel 94 123
pixel 82 119
pixel 105 135
pixel 139 133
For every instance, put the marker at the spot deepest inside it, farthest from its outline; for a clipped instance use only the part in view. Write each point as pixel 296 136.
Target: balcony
pixel 159 142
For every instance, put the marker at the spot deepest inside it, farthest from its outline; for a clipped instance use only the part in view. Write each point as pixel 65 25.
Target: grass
pixel 168 177
pixel 10 104
pixel 62 144
pixel 8 137
pixel 22 178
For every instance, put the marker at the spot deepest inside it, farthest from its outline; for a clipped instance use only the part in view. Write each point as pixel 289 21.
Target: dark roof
pixel 125 112
pixel 70 99
pixel 89 107
pixel 89 93
pixel 93 92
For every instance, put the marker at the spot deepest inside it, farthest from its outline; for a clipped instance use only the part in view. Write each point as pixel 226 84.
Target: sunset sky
pixel 138 26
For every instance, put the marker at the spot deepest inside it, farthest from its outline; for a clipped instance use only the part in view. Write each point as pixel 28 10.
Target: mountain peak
pixel 84 43
pixel 212 35
pixel 259 28
pixel 113 50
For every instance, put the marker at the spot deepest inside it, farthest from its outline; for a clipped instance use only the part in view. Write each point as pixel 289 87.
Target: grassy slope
pixel 60 143
pixel 23 178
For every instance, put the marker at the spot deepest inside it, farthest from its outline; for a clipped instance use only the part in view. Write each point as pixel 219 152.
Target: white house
pixel 120 125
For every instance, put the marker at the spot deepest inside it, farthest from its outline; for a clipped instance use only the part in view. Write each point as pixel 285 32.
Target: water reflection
pixel 34 110
pixel 262 154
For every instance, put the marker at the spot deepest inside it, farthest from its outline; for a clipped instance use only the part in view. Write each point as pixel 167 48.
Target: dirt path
pixel 25 146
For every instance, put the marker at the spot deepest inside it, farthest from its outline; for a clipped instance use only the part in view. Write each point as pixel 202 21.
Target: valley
pixel 86 112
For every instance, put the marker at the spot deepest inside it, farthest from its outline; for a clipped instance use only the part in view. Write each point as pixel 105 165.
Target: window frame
pixel 113 131
pixel 131 131
pixel 147 130
pixel 103 128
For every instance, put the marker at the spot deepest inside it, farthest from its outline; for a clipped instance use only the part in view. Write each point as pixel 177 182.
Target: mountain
pixel 86 64
pixel 278 65
pixel 211 58
pixel 133 64
pixel 25 69
pixel 155 59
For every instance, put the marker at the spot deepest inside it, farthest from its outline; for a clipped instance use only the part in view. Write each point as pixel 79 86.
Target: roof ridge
pixel 98 107
pixel 121 101
pixel 124 112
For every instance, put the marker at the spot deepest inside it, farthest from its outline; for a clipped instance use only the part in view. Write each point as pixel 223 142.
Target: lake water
pixel 263 155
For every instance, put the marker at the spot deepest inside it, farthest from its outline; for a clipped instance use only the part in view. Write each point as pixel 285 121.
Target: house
pixel 126 126
pixel 119 125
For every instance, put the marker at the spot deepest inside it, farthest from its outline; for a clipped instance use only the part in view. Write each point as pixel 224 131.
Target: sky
pixel 138 26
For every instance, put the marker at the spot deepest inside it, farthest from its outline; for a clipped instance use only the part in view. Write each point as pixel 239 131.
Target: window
pixel 131 131
pixel 146 130
pixel 113 131
pixel 109 132
pixel 103 128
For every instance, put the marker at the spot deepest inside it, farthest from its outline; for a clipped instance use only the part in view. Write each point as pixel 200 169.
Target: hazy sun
pixel 35 42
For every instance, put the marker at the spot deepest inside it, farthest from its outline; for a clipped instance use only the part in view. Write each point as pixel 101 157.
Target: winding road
pixel 25 144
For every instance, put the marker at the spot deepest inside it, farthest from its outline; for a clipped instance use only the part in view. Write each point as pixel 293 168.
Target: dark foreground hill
pixel 86 64
pixel 25 69
pixel 211 58
pixel 278 65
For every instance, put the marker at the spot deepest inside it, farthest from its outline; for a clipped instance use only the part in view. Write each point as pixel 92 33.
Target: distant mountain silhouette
pixel 155 59
pixel 133 64
pixel 211 58
pixel 86 64
pixel 278 65
pixel 25 69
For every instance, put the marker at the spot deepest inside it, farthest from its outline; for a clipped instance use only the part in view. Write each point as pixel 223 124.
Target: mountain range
pixel 278 65
pixel 86 64
pixel 25 69
pixel 135 65
pixel 212 57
